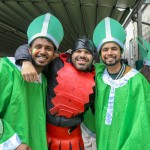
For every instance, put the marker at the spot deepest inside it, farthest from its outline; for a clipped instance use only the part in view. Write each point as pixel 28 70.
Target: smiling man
pixel 22 104
pixel 42 52
pixel 111 54
pixel 70 93
pixel 122 94
pixel 82 59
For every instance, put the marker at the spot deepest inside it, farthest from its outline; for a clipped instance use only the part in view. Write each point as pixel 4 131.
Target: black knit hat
pixel 84 43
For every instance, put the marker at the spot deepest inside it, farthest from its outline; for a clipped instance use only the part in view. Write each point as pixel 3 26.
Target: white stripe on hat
pixel 46 24
pixel 44 31
pixel 109 37
pixel 108 28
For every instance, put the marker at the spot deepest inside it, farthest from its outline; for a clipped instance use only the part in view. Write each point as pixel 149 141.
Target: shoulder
pixel 139 80
pixel 5 62
pixel 99 68
pixel 53 67
pixel 6 68
pixel 56 64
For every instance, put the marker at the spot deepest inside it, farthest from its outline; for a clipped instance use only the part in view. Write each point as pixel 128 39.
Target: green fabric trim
pixel 1 128
pixel 100 67
pixel 89 120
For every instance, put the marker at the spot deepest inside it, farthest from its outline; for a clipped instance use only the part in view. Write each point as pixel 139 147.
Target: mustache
pixel 81 57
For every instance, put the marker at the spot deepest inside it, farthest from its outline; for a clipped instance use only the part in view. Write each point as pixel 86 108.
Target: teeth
pixel 41 57
pixel 82 60
pixel 110 58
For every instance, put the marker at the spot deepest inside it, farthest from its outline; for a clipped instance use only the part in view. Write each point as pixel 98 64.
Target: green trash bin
pixel 139 64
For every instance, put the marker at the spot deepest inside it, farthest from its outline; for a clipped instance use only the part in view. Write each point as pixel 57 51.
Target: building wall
pixel 131 47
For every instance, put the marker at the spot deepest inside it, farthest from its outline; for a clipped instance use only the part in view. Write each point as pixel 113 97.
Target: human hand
pixel 23 147
pixel 28 72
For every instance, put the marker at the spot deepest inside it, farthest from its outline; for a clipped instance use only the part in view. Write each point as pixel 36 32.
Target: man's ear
pixel 55 55
pixel 30 50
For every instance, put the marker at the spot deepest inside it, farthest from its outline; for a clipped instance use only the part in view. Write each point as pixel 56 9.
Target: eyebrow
pixel 109 47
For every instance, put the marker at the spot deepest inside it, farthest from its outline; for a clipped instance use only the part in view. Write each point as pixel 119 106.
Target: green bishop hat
pixel 47 26
pixel 109 30
pixel 144 49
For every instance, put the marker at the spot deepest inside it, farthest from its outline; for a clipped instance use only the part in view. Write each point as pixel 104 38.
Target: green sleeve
pixel 6 86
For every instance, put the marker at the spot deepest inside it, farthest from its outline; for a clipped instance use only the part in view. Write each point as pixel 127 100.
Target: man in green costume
pixel 23 104
pixel 122 94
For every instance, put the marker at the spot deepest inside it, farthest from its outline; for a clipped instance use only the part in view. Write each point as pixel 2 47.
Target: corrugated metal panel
pixel 103 12
pixel 107 3
pixel 125 4
pixel 78 17
pixel 117 14
pixel 75 18
pixel 89 8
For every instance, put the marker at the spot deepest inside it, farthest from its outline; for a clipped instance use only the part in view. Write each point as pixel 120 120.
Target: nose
pixel 109 51
pixel 43 51
pixel 82 54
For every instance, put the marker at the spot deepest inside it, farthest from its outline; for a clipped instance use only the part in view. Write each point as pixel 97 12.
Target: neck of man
pixel 38 69
pixel 114 69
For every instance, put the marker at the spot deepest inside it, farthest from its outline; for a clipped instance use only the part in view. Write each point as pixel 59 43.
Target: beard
pixel 111 63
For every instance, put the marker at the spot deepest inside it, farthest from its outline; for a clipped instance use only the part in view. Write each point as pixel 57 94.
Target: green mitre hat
pixel 144 49
pixel 47 26
pixel 109 30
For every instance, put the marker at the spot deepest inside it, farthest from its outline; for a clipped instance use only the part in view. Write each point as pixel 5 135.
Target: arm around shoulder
pixel 22 53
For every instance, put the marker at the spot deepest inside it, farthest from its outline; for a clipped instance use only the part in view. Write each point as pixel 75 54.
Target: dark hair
pixel 125 61
pixel 96 57
pixel 84 43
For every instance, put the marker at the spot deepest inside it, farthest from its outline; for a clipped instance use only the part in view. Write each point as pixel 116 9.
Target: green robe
pixel 89 120
pixel 22 109
pixel 122 111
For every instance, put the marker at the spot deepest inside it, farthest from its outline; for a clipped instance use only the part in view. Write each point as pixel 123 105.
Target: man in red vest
pixel 70 93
